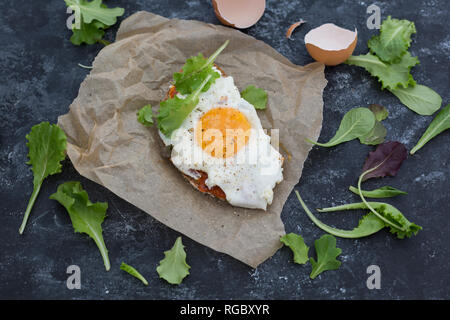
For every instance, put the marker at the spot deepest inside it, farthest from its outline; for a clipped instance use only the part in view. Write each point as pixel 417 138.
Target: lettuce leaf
pixel 391 76
pixel 173 268
pixel 129 269
pixel 420 99
pixel 47 146
pixel 145 115
pixel 298 247
pixel 94 17
pixel 255 96
pixel 86 217
pixel 394 39
pixel 327 252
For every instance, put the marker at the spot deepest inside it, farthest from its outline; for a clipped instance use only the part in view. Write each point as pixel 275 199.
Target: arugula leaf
pixel 145 115
pixel 368 224
pixel 298 247
pixel 255 96
pixel 127 268
pixel 172 112
pixel 387 159
pixel 391 76
pixel 173 268
pixel 195 71
pixel 94 18
pixel 420 99
pixel 47 146
pixel 394 39
pixel 327 252
pixel 383 192
pixel 356 123
pixel 398 223
pixel 86 217
pixel 438 125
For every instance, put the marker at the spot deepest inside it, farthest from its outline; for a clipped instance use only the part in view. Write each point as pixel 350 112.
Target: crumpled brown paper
pixel 107 145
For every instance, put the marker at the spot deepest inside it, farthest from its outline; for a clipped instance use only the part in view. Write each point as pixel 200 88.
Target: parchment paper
pixel 107 145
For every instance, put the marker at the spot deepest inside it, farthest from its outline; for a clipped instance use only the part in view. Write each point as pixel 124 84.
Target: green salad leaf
pixel 47 145
pixel 398 224
pixel 94 17
pixel 88 33
pixel 357 122
pixel 86 217
pixel 145 115
pixel 255 96
pixel 394 39
pixel 172 112
pixel 195 71
pixel 298 247
pixel 368 224
pixel 383 192
pixel 420 99
pixel 375 136
pixel 378 132
pixel 173 268
pixel 379 111
pixel 439 124
pixel 96 10
pixel 127 268
pixel 327 252
pixel 392 75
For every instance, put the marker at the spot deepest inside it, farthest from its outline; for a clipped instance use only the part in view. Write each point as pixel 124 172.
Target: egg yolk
pixel 222 132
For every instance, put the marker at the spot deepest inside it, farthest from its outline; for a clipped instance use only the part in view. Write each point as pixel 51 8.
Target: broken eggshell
pixel 331 44
pixel 240 14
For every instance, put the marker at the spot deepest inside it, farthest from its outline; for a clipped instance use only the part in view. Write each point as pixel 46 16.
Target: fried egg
pixel 223 138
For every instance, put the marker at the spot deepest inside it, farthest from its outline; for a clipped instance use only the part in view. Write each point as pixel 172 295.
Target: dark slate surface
pixel 40 78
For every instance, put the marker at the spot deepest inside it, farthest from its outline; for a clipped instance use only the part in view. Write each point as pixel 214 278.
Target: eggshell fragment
pixel 291 29
pixel 330 44
pixel 239 13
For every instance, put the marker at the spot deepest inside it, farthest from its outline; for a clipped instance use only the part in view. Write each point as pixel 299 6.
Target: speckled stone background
pixel 40 77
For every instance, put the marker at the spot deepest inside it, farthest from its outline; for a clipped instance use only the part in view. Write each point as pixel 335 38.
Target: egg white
pixel 248 177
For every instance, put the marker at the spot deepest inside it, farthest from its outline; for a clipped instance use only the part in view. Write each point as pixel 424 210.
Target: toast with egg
pixel 223 170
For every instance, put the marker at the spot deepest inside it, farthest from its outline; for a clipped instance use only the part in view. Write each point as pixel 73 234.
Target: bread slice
pixel 199 183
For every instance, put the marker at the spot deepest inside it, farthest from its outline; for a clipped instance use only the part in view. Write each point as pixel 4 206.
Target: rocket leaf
pixel 420 99
pixel 47 146
pixel 195 71
pixel 439 124
pixel 86 217
pixel 357 122
pixel 129 269
pixel 255 96
pixel 172 112
pixel 173 268
pixel 391 76
pixel 383 192
pixel 298 247
pixel 327 253
pixel 387 157
pixel 394 39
